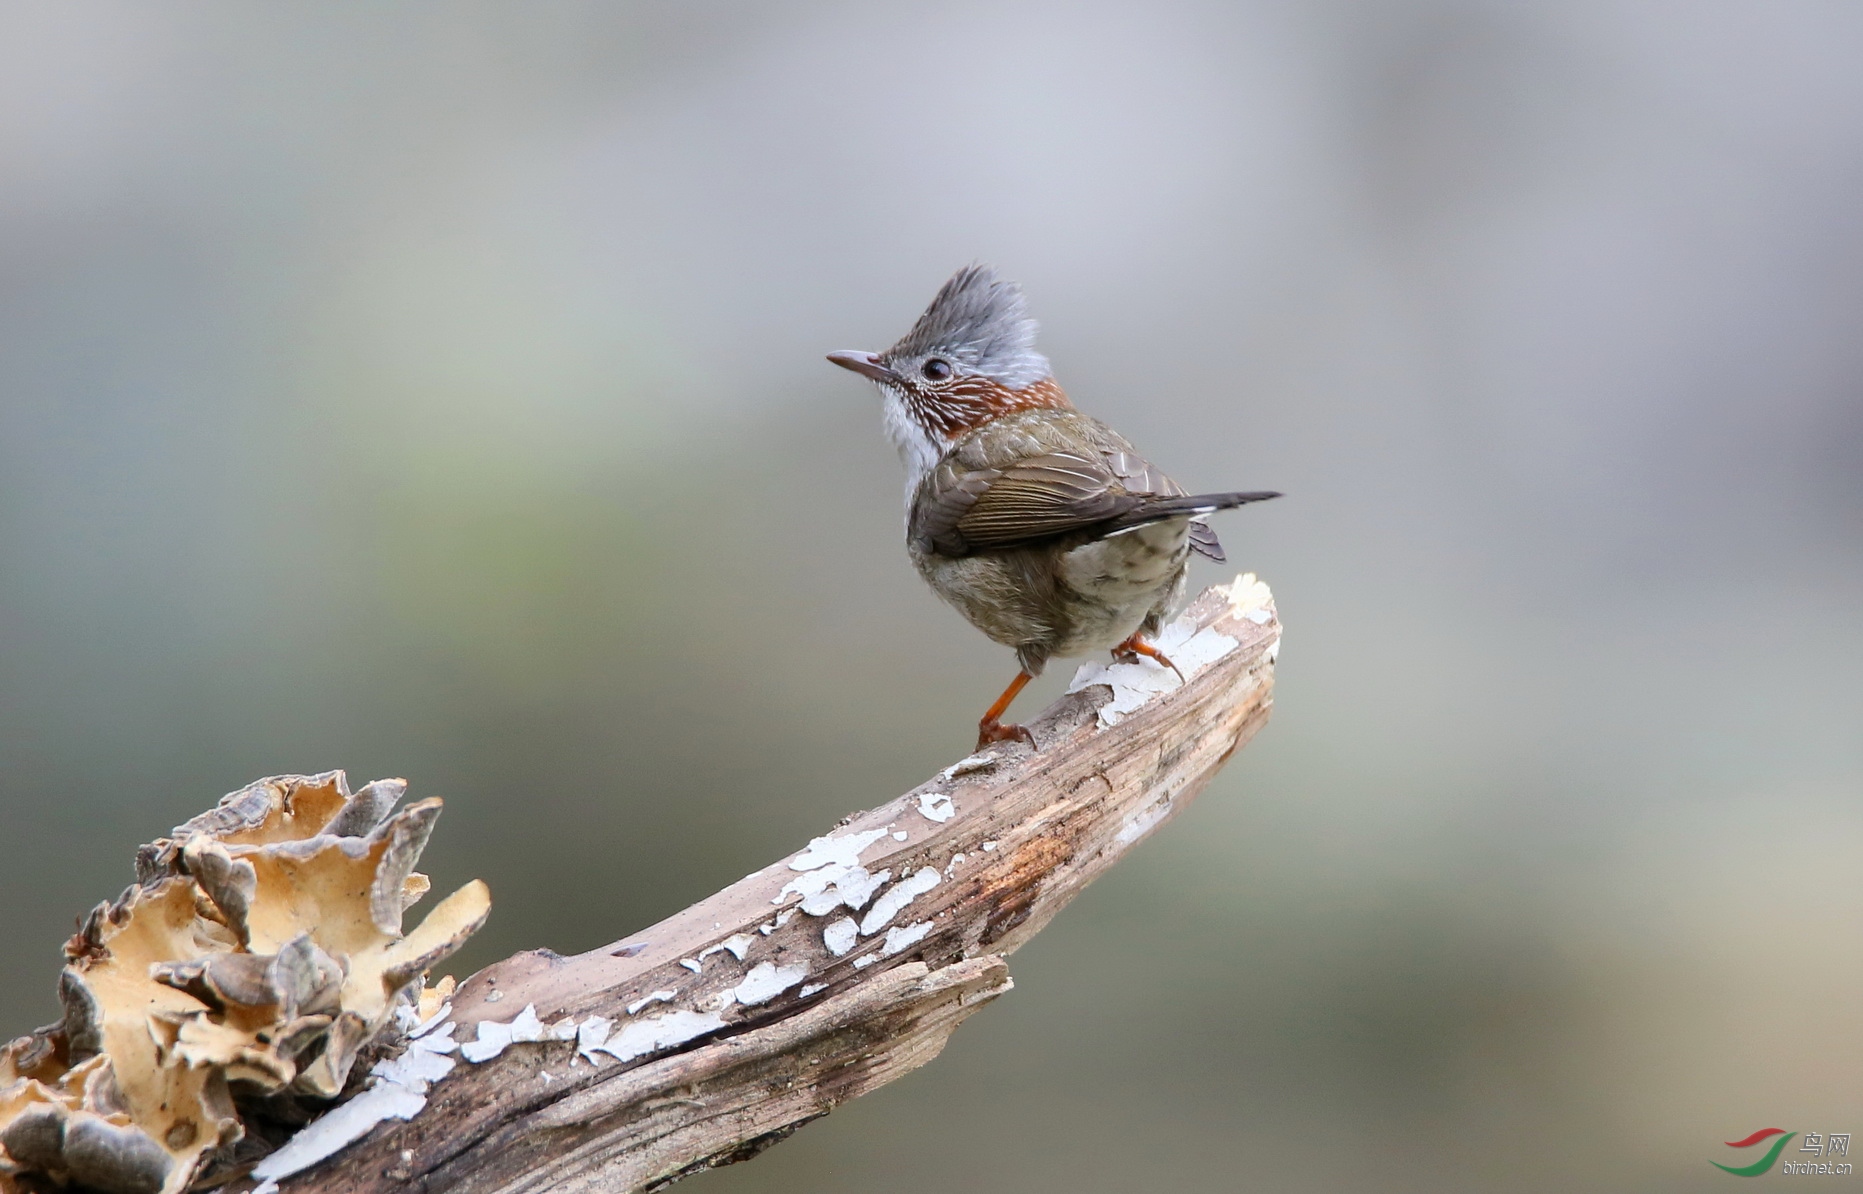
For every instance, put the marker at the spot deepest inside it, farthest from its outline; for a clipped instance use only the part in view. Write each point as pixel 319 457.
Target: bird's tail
pixel 1192 506
pixel 1195 506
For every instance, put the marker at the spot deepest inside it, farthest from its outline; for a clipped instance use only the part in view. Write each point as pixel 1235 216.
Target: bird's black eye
pixel 936 369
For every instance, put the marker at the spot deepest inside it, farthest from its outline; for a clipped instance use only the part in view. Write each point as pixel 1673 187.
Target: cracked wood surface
pixel 1025 831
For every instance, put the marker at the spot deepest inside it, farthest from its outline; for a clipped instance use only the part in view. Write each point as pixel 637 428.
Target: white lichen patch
pixel 1247 596
pixel 809 989
pixel 901 836
pixel 397 1090
pixel 692 964
pixel 839 937
pixel 964 766
pixel 833 886
pixel 844 850
pixel 494 1036
pixel 904 936
pixel 652 1033
pixel 652 997
pixel 766 981
pixel 591 1034
pixel 424 1060
pixel 865 960
pixel 951 867
pixel 337 1130
pixel 1134 684
pixel 596 1034
pixel 782 918
pixel 990 846
pixel 936 806
pixel 895 898
pixel 737 946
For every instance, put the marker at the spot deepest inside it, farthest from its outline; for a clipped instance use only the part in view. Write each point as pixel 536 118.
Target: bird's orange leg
pixel 1130 650
pixel 991 729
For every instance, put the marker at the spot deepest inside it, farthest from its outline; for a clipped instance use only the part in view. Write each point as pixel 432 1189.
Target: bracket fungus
pixel 233 985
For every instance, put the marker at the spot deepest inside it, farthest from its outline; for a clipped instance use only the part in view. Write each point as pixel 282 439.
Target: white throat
pixel 918 448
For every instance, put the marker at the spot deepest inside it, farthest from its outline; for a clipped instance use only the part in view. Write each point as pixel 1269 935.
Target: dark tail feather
pixel 1195 505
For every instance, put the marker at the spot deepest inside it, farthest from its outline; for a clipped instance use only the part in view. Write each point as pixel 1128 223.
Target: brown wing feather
pixel 1041 497
pixel 1037 498
pixel 981 500
pixel 1140 475
pixel 947 495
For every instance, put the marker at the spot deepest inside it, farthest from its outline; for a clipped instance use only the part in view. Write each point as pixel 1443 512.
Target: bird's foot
pixel 990 730
pixel 1130 650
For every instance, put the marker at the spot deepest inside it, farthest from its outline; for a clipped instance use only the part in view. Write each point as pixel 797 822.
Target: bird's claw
pixel 990 731
pixel 1130 651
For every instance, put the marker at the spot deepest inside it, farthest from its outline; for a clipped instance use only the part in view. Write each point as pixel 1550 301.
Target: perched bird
pixel 1042 525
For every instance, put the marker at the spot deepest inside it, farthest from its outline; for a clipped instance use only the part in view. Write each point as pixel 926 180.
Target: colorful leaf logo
pixel 1764 1163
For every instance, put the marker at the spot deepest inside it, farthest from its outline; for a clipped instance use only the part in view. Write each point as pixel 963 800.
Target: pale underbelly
pixel 1087 600
pixel 1120 581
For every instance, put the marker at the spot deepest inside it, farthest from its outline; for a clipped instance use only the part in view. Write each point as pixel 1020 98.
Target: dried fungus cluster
pixel 258 951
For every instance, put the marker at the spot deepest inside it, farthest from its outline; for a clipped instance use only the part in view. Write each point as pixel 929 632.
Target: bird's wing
pixel 960 511
pixel 1140 476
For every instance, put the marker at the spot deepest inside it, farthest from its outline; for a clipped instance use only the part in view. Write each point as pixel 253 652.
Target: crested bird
pixel 1042 525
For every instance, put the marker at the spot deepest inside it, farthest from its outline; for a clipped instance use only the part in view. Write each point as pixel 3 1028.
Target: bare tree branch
pixel 831 972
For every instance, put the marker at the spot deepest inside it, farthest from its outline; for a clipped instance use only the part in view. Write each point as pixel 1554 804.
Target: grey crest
pixel 979 322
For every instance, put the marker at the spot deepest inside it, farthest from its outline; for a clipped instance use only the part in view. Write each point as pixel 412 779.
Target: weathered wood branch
pixel 831 972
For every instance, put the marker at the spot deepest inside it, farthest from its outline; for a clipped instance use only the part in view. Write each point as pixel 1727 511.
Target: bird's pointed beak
pixel 867 364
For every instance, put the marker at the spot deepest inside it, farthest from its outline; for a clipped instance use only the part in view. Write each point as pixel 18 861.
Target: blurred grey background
pixel 438 391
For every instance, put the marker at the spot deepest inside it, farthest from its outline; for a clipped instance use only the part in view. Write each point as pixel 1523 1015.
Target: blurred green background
pixel 438 391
